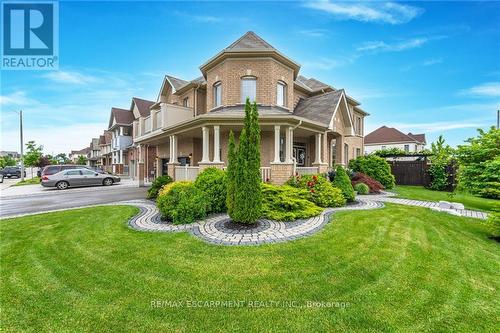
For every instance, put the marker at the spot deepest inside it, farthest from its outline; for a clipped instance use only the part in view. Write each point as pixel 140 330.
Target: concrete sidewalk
pixel 36 190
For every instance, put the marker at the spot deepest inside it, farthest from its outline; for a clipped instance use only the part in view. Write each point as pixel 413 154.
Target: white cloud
pixel 381 46
pixel 68 77
pixel 17 98
pixel 488 89
pixel 439 126
pixel 431 62
pixel 313 32
pixel 380 12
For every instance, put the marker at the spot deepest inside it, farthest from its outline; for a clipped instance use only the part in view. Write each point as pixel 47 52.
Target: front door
pixel 299 153
pixel 164 166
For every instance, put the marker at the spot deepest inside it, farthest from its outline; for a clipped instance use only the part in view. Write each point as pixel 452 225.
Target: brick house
pixel 388 137
pixel 306 125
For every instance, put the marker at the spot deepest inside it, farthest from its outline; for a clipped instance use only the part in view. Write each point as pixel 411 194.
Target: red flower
pixel 312 190
pixel 315 178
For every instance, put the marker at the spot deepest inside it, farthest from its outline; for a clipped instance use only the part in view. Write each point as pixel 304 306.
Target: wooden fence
pixel 410 172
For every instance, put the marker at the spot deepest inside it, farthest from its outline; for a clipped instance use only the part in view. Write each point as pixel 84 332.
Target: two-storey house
pixel 306 125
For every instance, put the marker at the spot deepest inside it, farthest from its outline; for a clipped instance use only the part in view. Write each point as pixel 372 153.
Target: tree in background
pixel 441 159
pixel 479 164
pixel 6 161
pixel 82 160
pixel 32 156
pixel 61 158
pixel 247 207
pixel 43 162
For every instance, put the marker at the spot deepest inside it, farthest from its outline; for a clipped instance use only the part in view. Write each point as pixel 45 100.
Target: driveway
pixel 77 197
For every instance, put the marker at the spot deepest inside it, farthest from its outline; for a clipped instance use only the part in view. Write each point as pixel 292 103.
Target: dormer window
pixel 281 93
pixel 217 94
pixel 248 89
pixel 185 102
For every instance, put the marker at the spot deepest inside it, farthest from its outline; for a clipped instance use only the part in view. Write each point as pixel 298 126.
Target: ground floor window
pixel 358 152
pixel 299 153
pixel 407 148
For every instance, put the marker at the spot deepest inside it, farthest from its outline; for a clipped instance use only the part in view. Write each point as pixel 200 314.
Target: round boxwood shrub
pixel 213 183
pixel 157 184
pixel 286 203
pixel 320 190
pixel 182 202
pixel 375 167
pixel 343 182
pixel 362 188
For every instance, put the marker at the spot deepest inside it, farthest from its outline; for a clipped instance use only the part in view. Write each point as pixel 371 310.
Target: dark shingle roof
pixel 143 106
pixel 249 41
pixel 121 116
pixel 418 137
pixel 312 84
pixel 386 134
pixel 176 82
pixel 319 108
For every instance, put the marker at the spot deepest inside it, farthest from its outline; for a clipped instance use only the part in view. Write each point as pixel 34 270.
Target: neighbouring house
pixel 306 125
pixel 75 154
pixel 105 146
pixel 13 154
pixel 388 137
pixel 94 153
pixel 120 126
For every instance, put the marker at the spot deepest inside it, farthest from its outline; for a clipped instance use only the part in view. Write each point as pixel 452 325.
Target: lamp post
pixel 20 113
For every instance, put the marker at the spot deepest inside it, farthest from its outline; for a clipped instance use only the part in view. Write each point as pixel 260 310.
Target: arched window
pixel 248 88
pixel 281 93
pixel 217 94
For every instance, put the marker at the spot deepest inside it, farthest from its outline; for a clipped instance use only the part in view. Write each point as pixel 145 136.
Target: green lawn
pixel 28 181
pixel 469 201
pixel 399 268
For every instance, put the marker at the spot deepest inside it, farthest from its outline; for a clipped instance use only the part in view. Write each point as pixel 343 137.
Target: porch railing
pixel 306 170
pixel 265 173
pixel 186 172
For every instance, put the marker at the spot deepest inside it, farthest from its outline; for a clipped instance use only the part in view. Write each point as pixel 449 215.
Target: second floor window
pixel 358 125
pixel 185 102
pixel 281 94
pixel 217 94
pixel 248 89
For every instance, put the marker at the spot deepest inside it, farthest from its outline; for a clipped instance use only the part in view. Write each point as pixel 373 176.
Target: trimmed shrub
pixel 182 202
pixel 343 182
pixel 286 203
pixel 320 190
pixel 375 167
pixel 362 188
pixel 359 177
pixel 157 184
pixel 213 183
pixel 247 182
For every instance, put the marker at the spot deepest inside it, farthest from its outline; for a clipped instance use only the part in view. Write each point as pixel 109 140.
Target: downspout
pixel 196 100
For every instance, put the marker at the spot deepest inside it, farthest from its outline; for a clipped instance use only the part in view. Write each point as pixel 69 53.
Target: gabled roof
pixel 143 106
pixel 250 41
pixel 249 45
pixel 323 108
pixel 176 82
pixel 121 116
pixel 83 151
pixel 417 137
pixel 312 84
pixel 386 134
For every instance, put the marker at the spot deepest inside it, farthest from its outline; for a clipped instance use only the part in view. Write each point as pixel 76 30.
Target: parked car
pixel 78 177
pixel 12 171
pixel 53 169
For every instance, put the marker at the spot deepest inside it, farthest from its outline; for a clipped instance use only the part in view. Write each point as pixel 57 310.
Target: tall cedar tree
pixel 248 196
pixel 231 166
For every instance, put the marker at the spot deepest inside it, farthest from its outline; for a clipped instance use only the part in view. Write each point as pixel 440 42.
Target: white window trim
pixel 283 86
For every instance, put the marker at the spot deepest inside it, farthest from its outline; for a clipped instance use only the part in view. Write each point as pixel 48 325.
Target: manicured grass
pixel 399 268
pixel 469 201
pixel 28 181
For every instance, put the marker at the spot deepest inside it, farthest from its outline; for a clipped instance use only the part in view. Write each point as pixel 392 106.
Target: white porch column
pixel 173 149
pixel 277 144
pixel 206 145
pixel 217 144
pixel 288 144
pixel 317 157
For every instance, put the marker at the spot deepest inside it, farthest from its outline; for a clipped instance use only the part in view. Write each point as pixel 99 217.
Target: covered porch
pixel 288 146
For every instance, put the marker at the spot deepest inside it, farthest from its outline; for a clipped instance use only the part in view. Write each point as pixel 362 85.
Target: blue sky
pixel 431 67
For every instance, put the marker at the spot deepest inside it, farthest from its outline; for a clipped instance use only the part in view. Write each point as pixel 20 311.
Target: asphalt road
pixel 67 199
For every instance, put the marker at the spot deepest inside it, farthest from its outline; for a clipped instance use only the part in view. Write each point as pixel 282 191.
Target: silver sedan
pixel 78 177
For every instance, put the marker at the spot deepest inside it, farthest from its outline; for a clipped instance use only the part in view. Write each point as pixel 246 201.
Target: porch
pixel 287 147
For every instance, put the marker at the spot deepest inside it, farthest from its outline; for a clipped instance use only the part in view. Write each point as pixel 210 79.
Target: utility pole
pixel 22 143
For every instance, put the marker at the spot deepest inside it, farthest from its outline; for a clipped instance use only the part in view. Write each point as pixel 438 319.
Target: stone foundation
pixel 322 167
pixel 203 166
pixel 171 169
